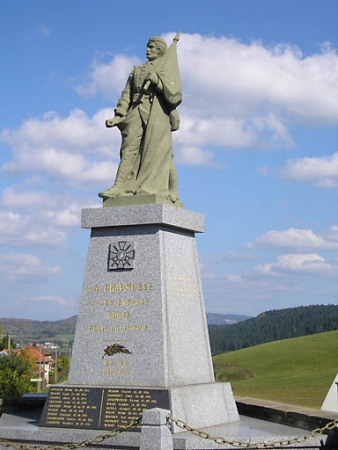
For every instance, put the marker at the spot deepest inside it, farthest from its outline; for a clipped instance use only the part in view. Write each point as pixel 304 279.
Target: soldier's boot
pixel 121 176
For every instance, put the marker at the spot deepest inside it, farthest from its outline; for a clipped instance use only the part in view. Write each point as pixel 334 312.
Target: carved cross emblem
pixel 121 255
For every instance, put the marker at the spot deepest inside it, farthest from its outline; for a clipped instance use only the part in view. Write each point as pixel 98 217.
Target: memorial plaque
pixel 99 408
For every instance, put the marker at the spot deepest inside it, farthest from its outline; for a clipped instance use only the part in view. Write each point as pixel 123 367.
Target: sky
pixel 256 153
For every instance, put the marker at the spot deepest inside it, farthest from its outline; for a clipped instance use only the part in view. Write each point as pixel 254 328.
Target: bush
pixel 15 374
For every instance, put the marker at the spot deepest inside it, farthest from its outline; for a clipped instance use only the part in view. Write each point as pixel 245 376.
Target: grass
pixel 297 371
pixel 69 337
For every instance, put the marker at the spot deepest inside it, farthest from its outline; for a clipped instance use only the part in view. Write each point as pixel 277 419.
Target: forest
pixel 274 326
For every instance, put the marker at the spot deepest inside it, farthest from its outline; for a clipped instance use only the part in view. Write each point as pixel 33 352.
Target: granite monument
pixel 141 338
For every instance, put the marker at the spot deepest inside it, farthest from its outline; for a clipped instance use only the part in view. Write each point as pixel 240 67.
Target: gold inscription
pixel 109 362
pixel 70 407
pixel 133 302
pixel 98 408
pixel 121 302
pixel 136 328
pixel 93 288
pixel 97 328
pixel 116 315
pixel 183 287
pixel 106 302
pixel 128 287
pixel 116 371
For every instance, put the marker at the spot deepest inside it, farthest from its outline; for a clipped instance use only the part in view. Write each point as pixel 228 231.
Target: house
pixel 43 359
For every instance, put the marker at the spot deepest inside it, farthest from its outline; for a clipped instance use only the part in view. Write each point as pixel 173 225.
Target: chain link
pixel 241 444
pixel 100 438
pixel 184 426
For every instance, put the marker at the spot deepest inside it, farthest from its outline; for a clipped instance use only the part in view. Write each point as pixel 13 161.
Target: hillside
pixel 36 329
pixel 297 371
pixel 273 326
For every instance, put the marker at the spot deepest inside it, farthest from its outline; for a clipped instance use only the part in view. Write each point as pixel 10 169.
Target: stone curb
pixel 293 415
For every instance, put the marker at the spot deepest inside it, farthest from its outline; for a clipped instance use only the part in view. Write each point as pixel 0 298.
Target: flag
pixel 167 70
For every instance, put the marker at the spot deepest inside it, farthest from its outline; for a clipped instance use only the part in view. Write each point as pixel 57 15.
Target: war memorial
pixel 141 345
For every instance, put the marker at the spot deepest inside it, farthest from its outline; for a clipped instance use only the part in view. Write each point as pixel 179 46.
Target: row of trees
pixel 274 326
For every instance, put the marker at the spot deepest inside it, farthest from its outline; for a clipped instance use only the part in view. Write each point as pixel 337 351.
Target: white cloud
pixel 10 222
pixel 58 210
pixel 233 278
pixel 14 267
pixel 321 171
pixel 49 236
pixel 236 95
pixel 108 79
pixel 238 78
pixel 296 238
pixel 197 134
pixel 234 79
pixel 18 230
pixel 53 299
pixel 311 264
pixel 194 155
pixel 68 217
pixel 72 149
pixel 21 197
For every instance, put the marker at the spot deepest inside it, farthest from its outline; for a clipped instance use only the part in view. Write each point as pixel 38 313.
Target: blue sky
pixel 256 153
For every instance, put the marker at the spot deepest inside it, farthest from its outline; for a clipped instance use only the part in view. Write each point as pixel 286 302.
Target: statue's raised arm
pixel 146 115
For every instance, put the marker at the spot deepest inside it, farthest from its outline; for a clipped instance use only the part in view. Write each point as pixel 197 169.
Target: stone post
pixel 155 433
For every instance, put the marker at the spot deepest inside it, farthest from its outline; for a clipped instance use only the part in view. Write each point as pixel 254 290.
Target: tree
pixel 15 374
pixel 4 343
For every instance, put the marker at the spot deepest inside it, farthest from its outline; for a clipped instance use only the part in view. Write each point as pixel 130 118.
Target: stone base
pixel 141 338
pixel 203 405
pixel 129 200
pixel 147 307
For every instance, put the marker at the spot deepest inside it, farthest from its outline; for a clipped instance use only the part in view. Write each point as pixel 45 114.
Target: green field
pixel 297 371
pixel 69 337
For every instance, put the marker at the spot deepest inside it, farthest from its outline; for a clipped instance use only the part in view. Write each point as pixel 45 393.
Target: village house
pixel 43 358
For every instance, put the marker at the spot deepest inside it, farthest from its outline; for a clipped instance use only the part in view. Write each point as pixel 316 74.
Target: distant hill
pixel 227 332
pixel 26 329
pixel 224 319
pixel 274 326
pixel 35 329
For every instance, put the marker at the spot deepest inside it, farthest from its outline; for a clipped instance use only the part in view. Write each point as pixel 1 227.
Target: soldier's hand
pixel 113 122
pixel 153 78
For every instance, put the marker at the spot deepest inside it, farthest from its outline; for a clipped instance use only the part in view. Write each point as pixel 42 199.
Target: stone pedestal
pixel 141 336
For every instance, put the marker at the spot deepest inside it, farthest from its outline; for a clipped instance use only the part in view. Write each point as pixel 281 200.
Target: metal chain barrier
pixel 97 440
pixel 184 426
pixel 235 443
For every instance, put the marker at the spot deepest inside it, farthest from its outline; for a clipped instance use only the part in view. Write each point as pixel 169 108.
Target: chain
pixel 240 444
pixel 184 426
pixel 100 438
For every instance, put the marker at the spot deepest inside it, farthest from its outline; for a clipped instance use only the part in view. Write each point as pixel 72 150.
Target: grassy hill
pixel 297 371
pixel 273 326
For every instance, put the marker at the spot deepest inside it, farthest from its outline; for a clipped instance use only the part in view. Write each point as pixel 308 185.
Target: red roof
pixel 38 353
